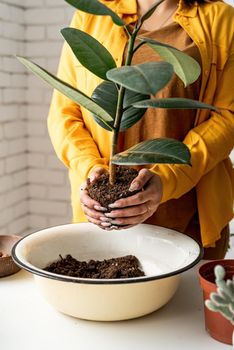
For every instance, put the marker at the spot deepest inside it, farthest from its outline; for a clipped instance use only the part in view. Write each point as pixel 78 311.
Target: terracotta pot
pixel 7 265
pixel 216 325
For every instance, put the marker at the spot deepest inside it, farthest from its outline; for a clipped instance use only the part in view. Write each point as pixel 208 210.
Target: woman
pixel 194 200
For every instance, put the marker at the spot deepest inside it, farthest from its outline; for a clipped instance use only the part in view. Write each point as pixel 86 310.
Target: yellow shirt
pixel 82 145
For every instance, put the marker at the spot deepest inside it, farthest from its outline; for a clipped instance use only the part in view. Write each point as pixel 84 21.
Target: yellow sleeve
pixel 209 143
pixel 72 141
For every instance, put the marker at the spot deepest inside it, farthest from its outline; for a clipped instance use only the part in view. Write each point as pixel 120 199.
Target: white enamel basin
pixel 163 254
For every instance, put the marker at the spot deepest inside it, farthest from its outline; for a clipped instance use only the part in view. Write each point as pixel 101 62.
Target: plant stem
pixel 114 146
pixel 138 46
pixel 119 109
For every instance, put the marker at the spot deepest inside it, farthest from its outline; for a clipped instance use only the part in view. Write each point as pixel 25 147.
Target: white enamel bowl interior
pixel 163 255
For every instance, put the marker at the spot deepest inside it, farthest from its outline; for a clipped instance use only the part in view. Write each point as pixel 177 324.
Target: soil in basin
pixel 122 267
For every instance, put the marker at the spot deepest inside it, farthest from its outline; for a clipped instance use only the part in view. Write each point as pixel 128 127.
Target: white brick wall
pixel 13 81
pixel 34 189
pixel 49 191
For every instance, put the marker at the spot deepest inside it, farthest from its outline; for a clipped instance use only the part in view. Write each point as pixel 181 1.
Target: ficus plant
pixel 125 93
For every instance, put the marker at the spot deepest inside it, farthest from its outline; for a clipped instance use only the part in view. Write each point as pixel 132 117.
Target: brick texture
pixel 34 191
pixel 13 82
pixel 49 191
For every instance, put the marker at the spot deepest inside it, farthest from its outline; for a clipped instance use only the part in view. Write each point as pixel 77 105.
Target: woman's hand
pixel 136 209
pixel 92 209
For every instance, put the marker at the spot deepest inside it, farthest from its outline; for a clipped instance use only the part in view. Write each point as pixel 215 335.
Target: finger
pixel 96 222
pixel 127 212
pixel 93 221
pixel 94 213
pixel 136 199
pixel 83 187
pixel 87 200
pixel 154 190
pixel 96 173
pixel 133 220
pixel 142 178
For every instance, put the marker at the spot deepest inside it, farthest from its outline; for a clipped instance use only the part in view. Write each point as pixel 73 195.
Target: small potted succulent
pixel 125 93
pixel 217 281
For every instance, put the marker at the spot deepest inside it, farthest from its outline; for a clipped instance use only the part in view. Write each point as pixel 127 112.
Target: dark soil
pixel 123 267
pixel 105 193
pixel 209 274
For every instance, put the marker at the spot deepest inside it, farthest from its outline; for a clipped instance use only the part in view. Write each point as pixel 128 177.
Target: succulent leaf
pixel 230 284
pixel 231 308
pixel 218 308
pixel 223 300
pixel 219 272
pixel 225 292
pixel 218 299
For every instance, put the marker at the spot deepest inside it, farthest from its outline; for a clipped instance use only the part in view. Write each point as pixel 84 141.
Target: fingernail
pixel 113 227
pixel 99 208
pixel 91 178
pixel 108 228
pixel 109 215
pixel 134 186
pixel 114 205
pixel 103 218
pixel 105 224
pixel 114 222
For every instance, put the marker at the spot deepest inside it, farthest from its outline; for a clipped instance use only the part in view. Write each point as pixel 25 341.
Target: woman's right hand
pixel 92 209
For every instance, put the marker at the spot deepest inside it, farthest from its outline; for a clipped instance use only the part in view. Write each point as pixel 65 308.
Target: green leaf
pixel 91 54
pixel 149 13
pixel 66 89
pixel 161 150
pixel 132 115
pixel 187 69
pixel 96 8
pixel 106 96
pixel 145 78
pixel 174 103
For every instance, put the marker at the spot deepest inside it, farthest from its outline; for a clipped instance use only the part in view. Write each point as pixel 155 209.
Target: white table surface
pixel 28 322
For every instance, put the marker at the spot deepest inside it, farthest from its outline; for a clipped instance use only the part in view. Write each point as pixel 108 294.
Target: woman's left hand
pixel 139 207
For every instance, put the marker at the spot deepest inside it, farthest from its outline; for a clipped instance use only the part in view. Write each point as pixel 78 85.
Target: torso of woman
pixel 177 213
